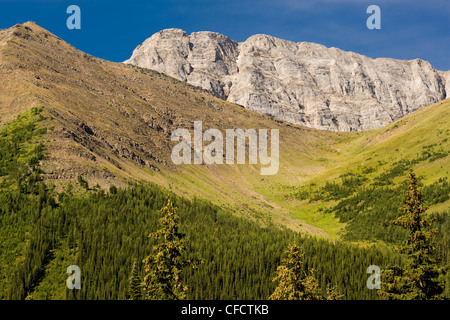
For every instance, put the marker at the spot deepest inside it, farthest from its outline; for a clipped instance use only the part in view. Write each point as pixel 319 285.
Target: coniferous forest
pixel 106 233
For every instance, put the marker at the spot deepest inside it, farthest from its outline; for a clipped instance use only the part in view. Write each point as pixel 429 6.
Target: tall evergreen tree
pixel 164 266
pixel 418 279
pixel 294 282
pixel 134 286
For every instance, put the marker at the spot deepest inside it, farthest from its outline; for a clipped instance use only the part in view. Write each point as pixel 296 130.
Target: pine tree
pixel 417 280
pixel 134 286
pixel 164 266
pixel 294 282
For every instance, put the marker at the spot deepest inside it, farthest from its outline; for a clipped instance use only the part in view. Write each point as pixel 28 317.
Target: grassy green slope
pixel 421 138
pixel 422 134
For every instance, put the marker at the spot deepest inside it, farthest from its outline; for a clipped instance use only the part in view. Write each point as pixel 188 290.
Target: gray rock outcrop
pixel 302 83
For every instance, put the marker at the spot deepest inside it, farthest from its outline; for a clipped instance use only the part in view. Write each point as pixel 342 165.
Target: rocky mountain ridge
pixel 302 83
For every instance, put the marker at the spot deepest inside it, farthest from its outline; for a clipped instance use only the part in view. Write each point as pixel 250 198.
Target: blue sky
pixel 112 29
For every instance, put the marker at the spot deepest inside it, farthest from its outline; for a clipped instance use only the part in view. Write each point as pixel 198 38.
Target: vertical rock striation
pixel 302 83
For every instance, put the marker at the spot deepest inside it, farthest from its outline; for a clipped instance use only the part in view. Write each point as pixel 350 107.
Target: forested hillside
pixel 105 232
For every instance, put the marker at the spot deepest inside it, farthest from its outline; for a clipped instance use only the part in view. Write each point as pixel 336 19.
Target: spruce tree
pixel 134 286
pixel 164 266
pixel 418 279
pixel 294 282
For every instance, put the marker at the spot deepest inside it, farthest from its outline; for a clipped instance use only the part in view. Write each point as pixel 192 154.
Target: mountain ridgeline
pixel 302 83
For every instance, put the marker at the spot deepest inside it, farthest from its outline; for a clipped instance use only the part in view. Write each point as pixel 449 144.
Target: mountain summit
pixel 302 83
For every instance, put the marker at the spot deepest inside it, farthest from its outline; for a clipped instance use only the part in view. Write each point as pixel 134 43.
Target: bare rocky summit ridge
pixel 204 59
pixel 302 83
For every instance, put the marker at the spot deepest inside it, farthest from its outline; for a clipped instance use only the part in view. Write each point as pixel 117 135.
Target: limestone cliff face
pixel 302 83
